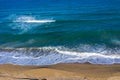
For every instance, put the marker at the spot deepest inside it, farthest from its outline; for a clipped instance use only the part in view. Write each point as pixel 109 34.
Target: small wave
pixel 38 21
pixel 28 19
pixel 53 55
pixel 115 41
pixel 26 24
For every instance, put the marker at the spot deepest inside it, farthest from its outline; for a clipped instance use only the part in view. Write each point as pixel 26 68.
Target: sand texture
pixel 60 72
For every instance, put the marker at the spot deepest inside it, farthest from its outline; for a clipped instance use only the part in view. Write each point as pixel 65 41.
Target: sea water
pixel 45 32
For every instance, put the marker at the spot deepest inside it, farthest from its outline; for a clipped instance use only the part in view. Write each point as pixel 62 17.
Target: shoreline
pixel 61 71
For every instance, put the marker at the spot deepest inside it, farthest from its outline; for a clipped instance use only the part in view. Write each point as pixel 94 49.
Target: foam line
pixel 53 55
pixel 36 21
pixel 30 19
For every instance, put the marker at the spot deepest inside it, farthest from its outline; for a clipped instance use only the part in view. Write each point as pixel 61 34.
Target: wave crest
pixel 53 55
pixel 26 24
pixel 28 19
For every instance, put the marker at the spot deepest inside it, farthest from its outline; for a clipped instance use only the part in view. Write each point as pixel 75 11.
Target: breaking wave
pixel 53 55
pixel 28 19
pixel 25 24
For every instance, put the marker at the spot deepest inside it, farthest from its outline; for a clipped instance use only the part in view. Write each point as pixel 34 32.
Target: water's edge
pixel 54 55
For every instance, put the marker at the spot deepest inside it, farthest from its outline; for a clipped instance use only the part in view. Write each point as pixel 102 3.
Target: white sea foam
pixel 52 55
pixel 28 19
pixel 27 24
pixel 37 21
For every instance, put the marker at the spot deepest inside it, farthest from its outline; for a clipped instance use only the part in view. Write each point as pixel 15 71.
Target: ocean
pixel 47 32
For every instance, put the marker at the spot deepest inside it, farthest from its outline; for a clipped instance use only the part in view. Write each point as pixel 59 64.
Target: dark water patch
pixel 109 38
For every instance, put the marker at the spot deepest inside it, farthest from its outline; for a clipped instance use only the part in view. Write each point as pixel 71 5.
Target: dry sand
pixel 60 72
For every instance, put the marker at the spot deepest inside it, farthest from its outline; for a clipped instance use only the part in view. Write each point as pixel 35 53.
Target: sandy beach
pixel 60 72
pixel 59 39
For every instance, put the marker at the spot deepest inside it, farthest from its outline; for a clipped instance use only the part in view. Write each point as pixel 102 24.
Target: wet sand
pixel 60 72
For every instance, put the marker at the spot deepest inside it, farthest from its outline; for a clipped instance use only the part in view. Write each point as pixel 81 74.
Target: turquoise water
pixel 69 31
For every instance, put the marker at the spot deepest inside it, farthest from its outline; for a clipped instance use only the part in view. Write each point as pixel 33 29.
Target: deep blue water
pixel 91 26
